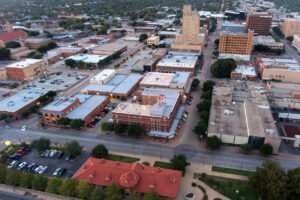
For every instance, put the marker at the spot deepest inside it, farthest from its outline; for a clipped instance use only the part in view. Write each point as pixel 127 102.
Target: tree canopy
pixel 223 68
pixel 41 144
pixel 213 142
pixel 179 162
pixel 99 151
pixel 73 149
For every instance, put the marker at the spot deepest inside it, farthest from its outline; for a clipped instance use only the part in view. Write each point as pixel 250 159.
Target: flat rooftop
pixel 245 70
pixel 24 63
pixel 88 58
pixel 65 49
pixel 108 49
pixel 165 79
pixel 179 61
pixel 162 109
pixel 58 105
pixel 88 106
pixel 21 99
pixel 264 40
pixel 103 75
pixel 119 84
pixel 280 61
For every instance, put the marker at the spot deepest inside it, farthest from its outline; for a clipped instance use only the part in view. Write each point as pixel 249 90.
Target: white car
pixel 23 128
pixel 43 170
pixel 38 169
pixel 22 165
pixel 52 153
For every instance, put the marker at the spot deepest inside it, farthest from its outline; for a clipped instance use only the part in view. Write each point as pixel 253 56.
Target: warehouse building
pixel 103 77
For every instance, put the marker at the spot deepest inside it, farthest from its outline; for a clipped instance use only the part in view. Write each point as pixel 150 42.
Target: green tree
pixel 64 122
pixel 204 116
pixel 77 124
pixel 135 196
pixel 270 181
pixel 70 62
pixel 266 149
pixel 2 173
pixel 106 126
pixel 12 177
pixel 52 45
pixel 134 130
pixel 73 149
pixel 53 185
pixel 201 129
pixel 68 187
pixel 12 45
pixel 294 184
pixel 143 37
pixel 25 180
pixel 151 196
pixel 213 142
pixel 207 95
pixel 204 105
pixel 97 193
pixel 39 182
pixel 120 129
pixel 84 190
pixel 195 84
pixel 246 148
pixel 4 54
pixel 41 144
pixel 223 68
pixel 99 151
pixel 290 38
pixel 179 162
pixel 113 192
pixel 208 85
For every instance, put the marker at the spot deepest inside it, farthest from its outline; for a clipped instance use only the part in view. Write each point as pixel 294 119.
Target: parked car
pixel 43 170
pixel 31 167
pixel 59 172
pixel 13 164
pixel 22 165
pixel 60 154
pixel 52 153
pixel 36 170
pixel 14 157
pixel 23 128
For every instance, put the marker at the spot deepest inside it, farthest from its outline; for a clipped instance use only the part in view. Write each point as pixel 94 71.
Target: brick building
pixel 25 70
pixel 35 43
pixel 259 22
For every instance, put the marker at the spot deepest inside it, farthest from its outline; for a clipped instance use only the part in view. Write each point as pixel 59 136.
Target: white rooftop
pixel 280 61
pixel 88 58
pixel 58 105
pixel 246 70
pixel 165 79
pixel 21 99
pixel 177 60
pixel 103 75
pixel 24 63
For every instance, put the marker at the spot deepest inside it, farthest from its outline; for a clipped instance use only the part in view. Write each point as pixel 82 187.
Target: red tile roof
pixel 137 177
pixel 11 36
pixel 291 130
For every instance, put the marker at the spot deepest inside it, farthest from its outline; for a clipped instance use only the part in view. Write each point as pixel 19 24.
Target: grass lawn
pixel 233 189
pixel 231 171
pixel 163 165
pixel 122 158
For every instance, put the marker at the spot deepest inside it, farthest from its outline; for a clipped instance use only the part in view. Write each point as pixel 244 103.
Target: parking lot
pixel 57 81
pixel 53 163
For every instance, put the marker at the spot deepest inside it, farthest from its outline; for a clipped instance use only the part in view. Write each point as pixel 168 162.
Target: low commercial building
pixel 103 77
pixel 132 177
pixel 296 42
pixel 280 69
pixel 178 62
pixel 158 113
pixel 66 51
pixel 89 60
pixel 145 29
pixel 232 27
pixel 120 86
pixel 89 109
pixel 290 26
pixel 12 36
pixel 26 70
pixel 292 132
pixel 168 34
pixel 19 53
pixel 58 109
pixel 138 66
pixel 237 46
pixel 16 104
pixel 240 114
pixel 153 40
pixel 244 73
pixel 110 49
pixel 268 41
pixel 35 43
pixel 179 80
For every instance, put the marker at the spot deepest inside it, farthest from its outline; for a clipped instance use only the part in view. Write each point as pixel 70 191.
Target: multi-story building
pixel 281 69
pixel 236 45
pixel 259 22
pixel 58 109
pixel 178 62
pixel 296 42
pixel 35 43
pixel 158 112
pixel 25 70
pixel 153 40
pixel 232 27
pixel 16 104
pixel 290 26
pixel 189 38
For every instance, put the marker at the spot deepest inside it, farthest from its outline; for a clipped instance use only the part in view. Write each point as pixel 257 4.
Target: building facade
pixel 153 40
pixel 260 23
pixel 35 43
pixel 290 26
pixel 236 45
pixel 296 42
pixel 26 70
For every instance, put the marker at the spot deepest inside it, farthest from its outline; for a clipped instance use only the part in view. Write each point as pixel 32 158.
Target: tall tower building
pixel 290 26
pixel 259 22
pixel 190 38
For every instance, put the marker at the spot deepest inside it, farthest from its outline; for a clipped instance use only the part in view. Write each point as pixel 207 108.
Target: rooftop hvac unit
pixel 11 103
